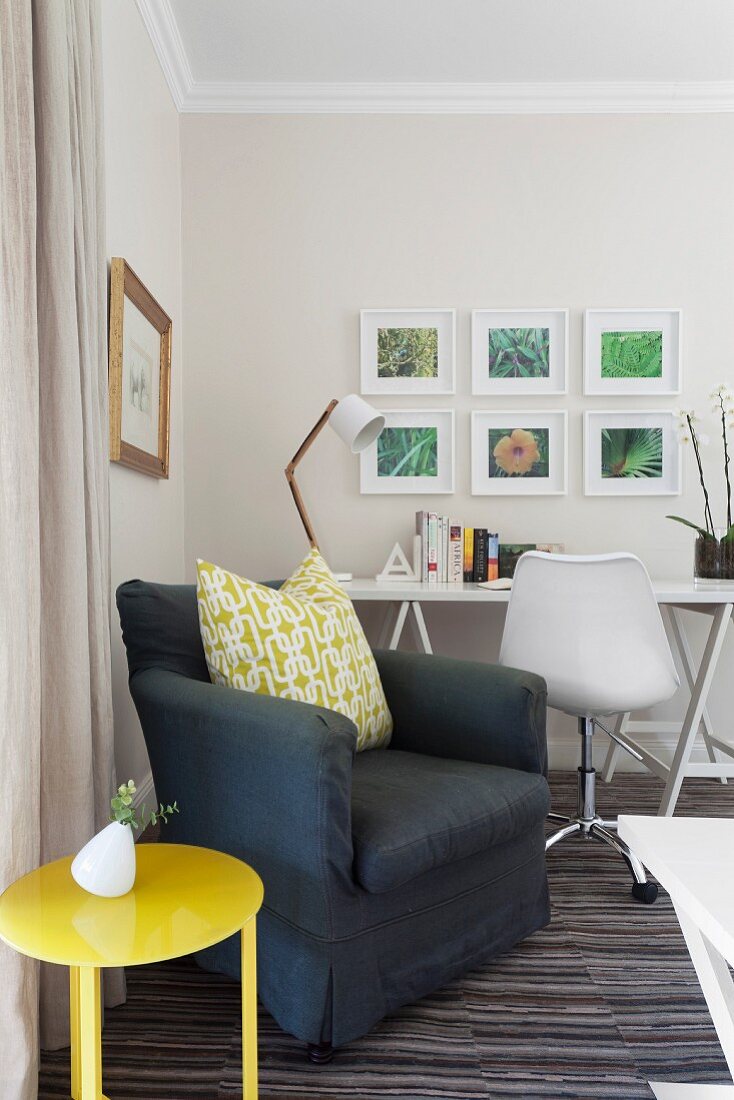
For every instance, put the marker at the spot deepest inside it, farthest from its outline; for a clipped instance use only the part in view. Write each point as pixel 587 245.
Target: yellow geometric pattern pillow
pixel 303 641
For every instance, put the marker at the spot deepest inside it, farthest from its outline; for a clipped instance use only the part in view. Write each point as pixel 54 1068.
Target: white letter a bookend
pixel 398 568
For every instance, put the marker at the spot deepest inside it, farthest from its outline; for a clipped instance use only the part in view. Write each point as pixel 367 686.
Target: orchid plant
pixel 124 811
pixel 723 407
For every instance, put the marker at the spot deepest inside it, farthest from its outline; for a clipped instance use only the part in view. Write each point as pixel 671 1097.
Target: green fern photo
pixel 407 353
pixel 407 452
pixel 519 353
pixel 632 354
pixel 632 452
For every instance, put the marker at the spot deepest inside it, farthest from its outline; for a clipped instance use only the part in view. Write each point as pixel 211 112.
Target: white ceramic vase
pixel 106 865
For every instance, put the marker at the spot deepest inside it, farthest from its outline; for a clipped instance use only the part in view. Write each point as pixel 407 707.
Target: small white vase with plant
pixel 106 864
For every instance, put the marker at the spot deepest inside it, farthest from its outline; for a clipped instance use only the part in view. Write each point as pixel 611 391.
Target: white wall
pixel 291 224
pixel 144 226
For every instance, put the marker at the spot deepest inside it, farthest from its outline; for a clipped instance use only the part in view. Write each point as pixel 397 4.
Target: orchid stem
pixel 726 460
pixel 708 518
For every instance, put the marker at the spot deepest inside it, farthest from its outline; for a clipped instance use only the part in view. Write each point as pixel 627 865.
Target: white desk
pixel 693 858
pixel 403 600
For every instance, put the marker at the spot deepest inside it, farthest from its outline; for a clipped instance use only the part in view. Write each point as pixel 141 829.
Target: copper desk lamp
pixel 355 422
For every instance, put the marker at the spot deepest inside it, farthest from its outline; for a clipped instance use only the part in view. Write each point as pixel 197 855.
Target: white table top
pixel 670 592
pixel 693 858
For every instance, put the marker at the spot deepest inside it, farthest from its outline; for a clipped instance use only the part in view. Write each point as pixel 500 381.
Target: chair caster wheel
pixel 645 892
pixel 320 1054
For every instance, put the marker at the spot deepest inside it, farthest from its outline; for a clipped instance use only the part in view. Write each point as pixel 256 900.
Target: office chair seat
pixel 591 627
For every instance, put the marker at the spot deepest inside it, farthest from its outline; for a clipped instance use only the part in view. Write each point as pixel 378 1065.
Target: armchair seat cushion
pixel 412 813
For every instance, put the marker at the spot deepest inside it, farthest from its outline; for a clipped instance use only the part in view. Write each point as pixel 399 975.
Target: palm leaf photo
pixel 632 452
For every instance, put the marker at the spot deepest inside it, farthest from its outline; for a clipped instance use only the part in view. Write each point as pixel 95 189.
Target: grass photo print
pixel 407 452
pixel 414 453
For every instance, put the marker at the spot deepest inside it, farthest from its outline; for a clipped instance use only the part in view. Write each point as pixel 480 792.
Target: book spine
pixel 493 557
pixel 439 549
pixel 480 555
pixel 432 547
pixel 421 528
pixel 468 554
pixel 445 549
pixel 456 553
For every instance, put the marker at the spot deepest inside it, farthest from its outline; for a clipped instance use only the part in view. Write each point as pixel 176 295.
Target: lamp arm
pixel 291 468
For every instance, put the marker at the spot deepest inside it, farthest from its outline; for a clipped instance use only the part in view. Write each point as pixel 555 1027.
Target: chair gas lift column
pixel 592 628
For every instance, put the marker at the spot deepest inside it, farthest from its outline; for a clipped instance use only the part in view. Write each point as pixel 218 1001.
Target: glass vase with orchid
pixel 714 549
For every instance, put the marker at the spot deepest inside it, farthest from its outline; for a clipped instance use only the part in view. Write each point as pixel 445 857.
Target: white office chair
pixel 591 627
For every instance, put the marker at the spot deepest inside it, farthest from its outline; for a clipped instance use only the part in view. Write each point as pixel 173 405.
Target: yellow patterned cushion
pixel 301 642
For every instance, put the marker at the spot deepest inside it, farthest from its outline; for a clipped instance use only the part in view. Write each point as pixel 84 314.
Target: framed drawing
pixel 407 351
pixel 631 454
pixel 413 454
pixel 632 351
pixel 139 374
pixel 516 351
pixel 518 453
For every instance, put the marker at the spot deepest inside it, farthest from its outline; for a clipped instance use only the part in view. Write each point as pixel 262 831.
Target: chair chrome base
pixel 587 823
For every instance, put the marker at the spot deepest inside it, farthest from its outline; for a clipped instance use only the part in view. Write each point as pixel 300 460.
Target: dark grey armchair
pixel 386 873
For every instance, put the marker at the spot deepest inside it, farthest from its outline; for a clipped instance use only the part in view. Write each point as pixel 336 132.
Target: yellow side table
pixel 184 899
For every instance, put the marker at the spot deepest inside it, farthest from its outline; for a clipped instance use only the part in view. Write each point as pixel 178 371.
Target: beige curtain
pixel 56 766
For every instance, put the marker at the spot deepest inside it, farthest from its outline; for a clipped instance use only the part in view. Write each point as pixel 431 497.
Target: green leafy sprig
pixel 124 811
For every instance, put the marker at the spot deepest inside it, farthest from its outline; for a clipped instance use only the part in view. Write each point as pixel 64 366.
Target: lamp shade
pixel 356 422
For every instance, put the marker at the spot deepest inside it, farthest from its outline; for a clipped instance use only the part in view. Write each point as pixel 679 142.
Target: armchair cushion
pixel 413 813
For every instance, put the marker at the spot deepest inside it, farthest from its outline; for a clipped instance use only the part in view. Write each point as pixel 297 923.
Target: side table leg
pixel 76 1076
pixel 249 1011
pixel 90 1034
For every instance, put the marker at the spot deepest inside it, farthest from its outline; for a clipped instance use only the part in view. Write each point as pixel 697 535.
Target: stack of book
pixel 452 553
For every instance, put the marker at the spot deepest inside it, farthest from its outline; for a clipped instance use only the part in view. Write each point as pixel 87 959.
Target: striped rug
pixel 599 1002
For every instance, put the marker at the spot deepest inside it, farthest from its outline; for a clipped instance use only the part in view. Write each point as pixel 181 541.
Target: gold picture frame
pixel 139 374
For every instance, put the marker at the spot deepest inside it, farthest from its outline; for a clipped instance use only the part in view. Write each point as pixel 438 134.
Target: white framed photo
pixel 518 453
pixel 414 453
pixel 631 453
pixel 632 352
pixel 519 351
pixel 408 351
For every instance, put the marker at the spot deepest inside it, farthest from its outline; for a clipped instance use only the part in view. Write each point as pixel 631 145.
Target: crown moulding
pixel 525 98
pixel 502 99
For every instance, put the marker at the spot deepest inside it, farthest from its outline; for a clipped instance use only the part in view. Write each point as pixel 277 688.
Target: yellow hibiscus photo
pixel 521 452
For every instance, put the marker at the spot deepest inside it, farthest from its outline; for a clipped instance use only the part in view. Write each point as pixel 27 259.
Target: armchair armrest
pixel 465 710
pixel 268 780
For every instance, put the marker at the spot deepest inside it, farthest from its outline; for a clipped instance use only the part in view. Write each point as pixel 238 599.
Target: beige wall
pixel 144 226
pixel 291 224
